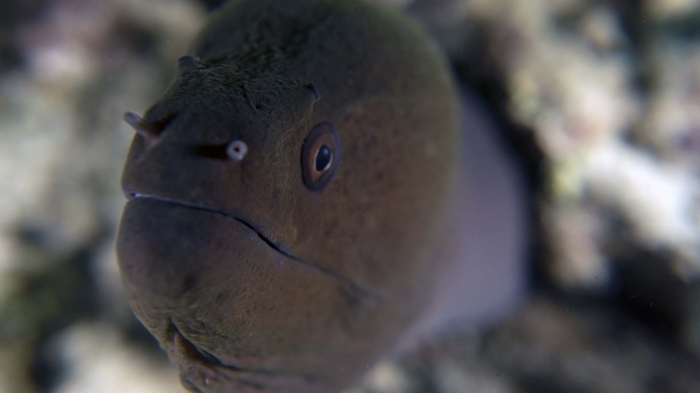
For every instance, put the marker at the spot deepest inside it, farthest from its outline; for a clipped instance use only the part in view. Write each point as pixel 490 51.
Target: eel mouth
pixel 346 283
pixel 185 266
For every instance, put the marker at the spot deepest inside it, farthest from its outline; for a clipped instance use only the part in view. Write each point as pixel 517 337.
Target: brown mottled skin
pixel 253 281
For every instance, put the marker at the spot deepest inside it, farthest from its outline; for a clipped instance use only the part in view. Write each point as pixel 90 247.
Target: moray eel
pixel 310 196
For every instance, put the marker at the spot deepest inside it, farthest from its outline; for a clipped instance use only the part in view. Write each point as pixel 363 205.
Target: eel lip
pixel 352 289
pixel 131 195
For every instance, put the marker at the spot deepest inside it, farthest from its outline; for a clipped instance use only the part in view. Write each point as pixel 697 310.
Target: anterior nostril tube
pixel 236 150
pixel 148 130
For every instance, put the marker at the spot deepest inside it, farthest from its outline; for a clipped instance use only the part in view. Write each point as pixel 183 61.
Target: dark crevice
pixel 213 4
pixel 70 284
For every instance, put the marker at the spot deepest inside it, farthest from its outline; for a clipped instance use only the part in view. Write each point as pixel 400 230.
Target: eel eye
pixel 320 156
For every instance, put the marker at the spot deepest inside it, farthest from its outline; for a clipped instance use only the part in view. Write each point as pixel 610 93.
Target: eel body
pixel 312 195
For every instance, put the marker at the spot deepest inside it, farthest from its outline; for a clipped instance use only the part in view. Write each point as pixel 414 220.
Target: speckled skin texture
pixel 249 279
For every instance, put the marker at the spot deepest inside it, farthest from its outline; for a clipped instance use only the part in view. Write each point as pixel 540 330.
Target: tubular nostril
pixel 145 129
pixel 149 130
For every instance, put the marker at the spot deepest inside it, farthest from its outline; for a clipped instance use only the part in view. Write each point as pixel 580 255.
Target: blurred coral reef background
pixel 600 99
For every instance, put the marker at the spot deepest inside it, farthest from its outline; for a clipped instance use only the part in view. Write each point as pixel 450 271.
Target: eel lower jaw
pixel 202 371
pixel 184 349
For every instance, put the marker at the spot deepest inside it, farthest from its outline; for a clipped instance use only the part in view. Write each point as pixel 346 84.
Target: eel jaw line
pixel 353 289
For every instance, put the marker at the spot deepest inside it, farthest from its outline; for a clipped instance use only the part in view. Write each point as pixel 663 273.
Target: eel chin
pixel 233 311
